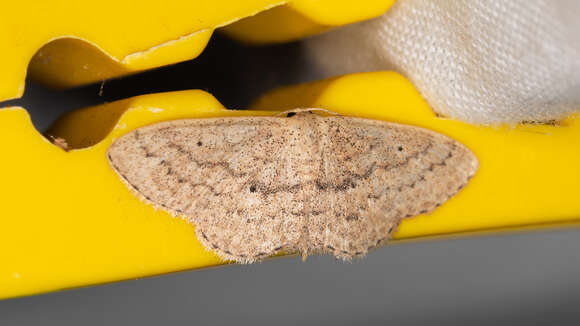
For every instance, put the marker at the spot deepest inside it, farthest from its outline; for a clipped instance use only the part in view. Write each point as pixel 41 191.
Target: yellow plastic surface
pixel 66 220
pixel 301 18
pixel 94 41
pixel 70 43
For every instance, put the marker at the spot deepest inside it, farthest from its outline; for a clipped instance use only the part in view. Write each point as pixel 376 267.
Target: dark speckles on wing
pixel 254 186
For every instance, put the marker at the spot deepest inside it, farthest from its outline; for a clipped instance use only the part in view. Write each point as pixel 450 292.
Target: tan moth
pixel 306 183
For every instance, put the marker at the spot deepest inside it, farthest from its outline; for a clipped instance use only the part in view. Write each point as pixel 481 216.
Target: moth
pixel 299 183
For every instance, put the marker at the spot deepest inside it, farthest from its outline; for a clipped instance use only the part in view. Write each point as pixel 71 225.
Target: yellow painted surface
pixel 110 38
pixel 66 220
pixel 70 43
pixel 301 18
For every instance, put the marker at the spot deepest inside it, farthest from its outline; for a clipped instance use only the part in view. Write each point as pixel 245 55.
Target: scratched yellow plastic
pixel 70 43
pixel 66 220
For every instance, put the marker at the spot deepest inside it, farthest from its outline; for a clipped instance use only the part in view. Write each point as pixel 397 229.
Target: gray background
pixel 506 279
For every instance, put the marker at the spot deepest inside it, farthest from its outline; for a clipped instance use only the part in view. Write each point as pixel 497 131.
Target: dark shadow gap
pixel 234 73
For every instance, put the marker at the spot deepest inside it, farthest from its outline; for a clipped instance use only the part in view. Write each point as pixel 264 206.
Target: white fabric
pixel 486 61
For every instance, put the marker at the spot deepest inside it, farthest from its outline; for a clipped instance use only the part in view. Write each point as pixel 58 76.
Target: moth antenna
pixel 298 110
